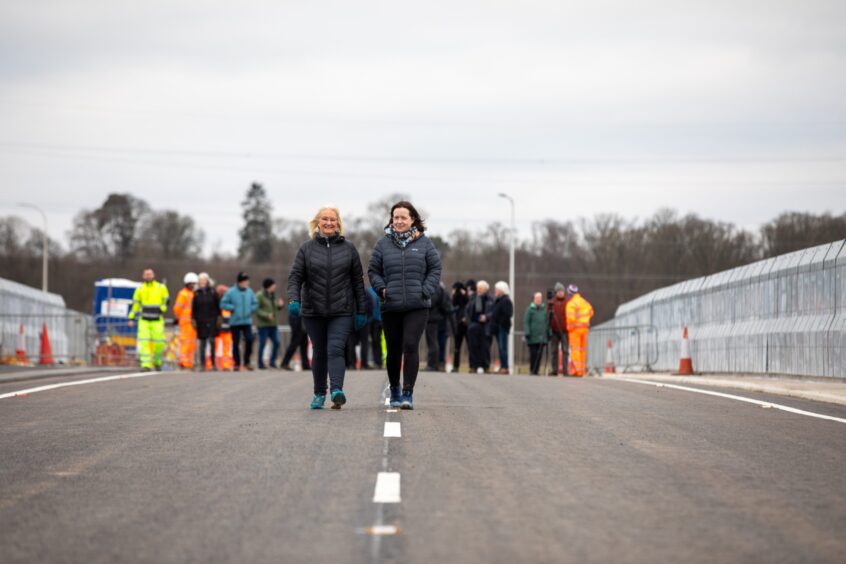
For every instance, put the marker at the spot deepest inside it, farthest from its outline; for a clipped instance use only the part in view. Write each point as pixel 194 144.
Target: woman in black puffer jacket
pixel 405 272
pixel 328 281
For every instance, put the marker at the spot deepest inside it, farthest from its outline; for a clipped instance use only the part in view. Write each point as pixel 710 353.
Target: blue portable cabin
pixel 112 304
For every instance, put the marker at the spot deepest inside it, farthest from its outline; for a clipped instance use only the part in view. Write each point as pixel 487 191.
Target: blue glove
pixel 294 309
pixel 360 321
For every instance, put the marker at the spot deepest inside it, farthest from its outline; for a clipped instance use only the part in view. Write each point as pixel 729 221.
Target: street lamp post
pixel 43 243
pixel 511 358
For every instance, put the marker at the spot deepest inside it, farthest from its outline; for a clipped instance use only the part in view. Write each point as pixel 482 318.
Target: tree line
pixel 612 258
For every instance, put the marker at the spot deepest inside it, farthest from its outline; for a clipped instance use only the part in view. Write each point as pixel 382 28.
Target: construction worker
pixel 579 313
pixel 182 308
pixel 223 339
pixel 150 299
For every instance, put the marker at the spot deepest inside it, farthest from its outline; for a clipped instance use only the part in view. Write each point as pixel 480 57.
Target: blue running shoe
pixel 396 397
pixel 318 401
pixel 407 400
pixel 338 399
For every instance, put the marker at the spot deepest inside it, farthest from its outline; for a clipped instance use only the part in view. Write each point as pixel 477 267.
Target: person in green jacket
pixel 267 321
pixel 536 328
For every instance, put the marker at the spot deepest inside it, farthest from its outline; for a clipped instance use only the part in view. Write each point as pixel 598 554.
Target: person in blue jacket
pixel 241 301
pixel 405 272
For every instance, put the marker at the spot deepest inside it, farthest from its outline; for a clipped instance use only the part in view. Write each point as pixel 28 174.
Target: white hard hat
pixel 191 278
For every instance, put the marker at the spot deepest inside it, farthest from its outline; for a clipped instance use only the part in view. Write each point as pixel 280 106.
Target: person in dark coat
pixel 461 293
pixel 326 286
pixel 361 338
pixel 501 316
pixel 479 309
pixel 438 312
pixel 405 272
pixel 205 313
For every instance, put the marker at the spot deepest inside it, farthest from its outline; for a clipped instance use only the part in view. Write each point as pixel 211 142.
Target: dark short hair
pixel 416 220
pixel 267 283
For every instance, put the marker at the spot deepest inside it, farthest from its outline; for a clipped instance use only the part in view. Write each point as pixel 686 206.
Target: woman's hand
pixel 294 309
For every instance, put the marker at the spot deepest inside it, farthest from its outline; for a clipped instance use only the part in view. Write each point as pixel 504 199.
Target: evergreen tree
pixel 257 234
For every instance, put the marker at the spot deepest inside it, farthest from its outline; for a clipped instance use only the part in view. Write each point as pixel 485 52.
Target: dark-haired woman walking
pixel 405 271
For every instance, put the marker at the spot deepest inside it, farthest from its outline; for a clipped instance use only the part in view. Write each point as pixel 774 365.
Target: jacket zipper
pixel 404 289
pixel 328 276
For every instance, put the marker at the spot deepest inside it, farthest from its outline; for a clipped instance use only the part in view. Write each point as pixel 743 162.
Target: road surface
pixel 192 467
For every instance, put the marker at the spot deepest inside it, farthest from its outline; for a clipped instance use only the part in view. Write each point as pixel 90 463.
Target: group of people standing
pixel 562 324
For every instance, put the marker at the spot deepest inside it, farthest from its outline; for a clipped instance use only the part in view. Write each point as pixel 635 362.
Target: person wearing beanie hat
pixel 241 301
pixel 557 309
pixel 267 321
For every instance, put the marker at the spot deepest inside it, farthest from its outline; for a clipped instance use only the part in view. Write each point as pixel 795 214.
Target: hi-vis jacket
pixel 579 312
pixel 151 299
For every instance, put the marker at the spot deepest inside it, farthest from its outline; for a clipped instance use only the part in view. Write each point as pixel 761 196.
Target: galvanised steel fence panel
pixel 782 315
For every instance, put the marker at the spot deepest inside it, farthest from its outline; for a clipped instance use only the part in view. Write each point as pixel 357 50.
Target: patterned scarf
pixel 401 239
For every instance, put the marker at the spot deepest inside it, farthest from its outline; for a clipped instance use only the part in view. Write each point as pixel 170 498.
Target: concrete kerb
pixel 8 376
pixel 799 388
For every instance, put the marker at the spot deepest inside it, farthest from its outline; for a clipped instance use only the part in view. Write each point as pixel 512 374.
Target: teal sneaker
pixel 338 399
pixel 407 400
pixel 318 401
pixel 396 397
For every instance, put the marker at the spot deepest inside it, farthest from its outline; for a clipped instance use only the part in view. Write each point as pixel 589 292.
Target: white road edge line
pixel 393 429
pixel 387 488
pixel 76 383
pixel 767 404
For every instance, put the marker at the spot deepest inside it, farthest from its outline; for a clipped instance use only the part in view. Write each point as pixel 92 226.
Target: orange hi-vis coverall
pixel 223 343
pixel 579 313
pixel 187 333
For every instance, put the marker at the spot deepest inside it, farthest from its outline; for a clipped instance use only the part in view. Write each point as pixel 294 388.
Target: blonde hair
pixel 315 221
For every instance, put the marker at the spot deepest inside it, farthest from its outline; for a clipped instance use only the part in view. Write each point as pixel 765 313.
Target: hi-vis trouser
pixel 151 342
pixel 187 344
pixel 578 350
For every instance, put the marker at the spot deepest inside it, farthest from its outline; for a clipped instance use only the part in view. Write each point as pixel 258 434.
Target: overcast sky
pixel 735 110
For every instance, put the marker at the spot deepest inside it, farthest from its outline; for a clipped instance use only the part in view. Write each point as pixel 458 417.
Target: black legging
pixel 329 340
pixel 403 330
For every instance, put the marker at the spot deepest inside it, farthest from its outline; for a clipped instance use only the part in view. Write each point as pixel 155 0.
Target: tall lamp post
pixel 43 242
pixel 511 358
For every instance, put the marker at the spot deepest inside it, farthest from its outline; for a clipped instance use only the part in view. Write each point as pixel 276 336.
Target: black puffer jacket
pixel 411 275
pixel 502 312
pixel 327 278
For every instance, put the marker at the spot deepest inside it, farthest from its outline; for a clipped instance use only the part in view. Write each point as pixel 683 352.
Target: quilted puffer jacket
pixel 410 275
pixel 327 278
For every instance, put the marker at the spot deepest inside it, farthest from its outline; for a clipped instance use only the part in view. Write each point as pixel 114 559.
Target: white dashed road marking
pixel 387 488
pixel 393 429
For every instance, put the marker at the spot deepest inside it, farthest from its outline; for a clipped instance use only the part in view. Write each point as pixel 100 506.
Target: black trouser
pixel 201 351
pixel 329 339
pixel 299 339
pixel 558 341
pixel 432 345
pixel 376 342
pixel 403 330
pixel 361 338
pixel 535 357
pixel 479 344
pixel 443 334
pixel 460 336
pixel 247 332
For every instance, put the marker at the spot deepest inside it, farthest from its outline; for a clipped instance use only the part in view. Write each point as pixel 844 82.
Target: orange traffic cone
pixel 685 362
pixel 609 360
pixel 46 356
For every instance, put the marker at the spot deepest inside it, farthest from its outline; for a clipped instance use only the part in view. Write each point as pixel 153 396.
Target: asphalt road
pixel 185 467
